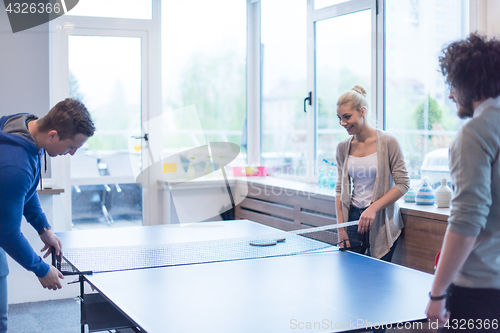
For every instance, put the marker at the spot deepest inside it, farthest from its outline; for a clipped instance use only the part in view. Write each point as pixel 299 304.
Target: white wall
pixel 484 17
pixel 493 23
pixel 24 69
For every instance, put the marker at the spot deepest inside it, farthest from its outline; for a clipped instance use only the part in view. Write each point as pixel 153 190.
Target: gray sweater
pixel 475 211
pixel 391 172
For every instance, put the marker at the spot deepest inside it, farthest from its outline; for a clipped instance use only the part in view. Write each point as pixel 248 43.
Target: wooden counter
pixel 422 236
pixel 286 205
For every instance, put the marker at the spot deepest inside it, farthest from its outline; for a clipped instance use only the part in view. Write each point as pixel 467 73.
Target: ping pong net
pixel 276 243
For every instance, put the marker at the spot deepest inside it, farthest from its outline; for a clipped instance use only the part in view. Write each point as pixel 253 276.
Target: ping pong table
pixel 326 290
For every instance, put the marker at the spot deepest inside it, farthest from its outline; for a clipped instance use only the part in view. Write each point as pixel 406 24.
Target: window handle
pixel 308 98
pixel 145 137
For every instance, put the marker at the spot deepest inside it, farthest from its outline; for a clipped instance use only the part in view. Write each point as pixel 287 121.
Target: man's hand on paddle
pixel 50 239
pixel 52 279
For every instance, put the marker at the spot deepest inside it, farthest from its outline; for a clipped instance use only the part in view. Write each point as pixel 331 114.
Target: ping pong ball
pixel 137 147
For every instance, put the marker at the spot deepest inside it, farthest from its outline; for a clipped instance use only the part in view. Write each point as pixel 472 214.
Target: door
pixel 106 74
pixel 342 53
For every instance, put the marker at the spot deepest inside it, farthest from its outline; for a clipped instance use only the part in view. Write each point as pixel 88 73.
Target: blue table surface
pixel 326 291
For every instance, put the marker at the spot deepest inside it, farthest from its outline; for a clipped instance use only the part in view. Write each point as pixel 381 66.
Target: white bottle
pixel 443 195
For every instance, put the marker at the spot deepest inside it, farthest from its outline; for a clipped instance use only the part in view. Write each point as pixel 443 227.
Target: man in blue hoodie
pixel 23 140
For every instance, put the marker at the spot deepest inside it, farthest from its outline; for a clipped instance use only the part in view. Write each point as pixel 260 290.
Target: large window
pixel 220 57
pixel 203 63
pixel 418 110
pixel 284 65
pixel 343 55
pixel 389 47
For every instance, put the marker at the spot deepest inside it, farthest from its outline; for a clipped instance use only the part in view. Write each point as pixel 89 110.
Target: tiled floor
pixel 60 316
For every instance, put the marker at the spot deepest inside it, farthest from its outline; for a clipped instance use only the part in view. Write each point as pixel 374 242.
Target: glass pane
pixel 105 74
pixel 204 65
pixel 416 32
pixel 343 60
pixel 284 66
pixel 134 9
pixel 325 3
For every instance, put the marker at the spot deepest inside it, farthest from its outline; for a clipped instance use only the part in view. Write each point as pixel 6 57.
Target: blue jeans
pixel 361 242
pixel 4 271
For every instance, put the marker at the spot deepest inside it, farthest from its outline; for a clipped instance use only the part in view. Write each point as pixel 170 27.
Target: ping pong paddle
pixel 267 242
pixel 56 259
pixel 56 262
pixel 436 260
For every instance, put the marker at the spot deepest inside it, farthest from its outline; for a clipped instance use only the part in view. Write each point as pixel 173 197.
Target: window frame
pixel 254 82
pixel 316 15
pixel 149 30
pixel 477 16
pixel 254 74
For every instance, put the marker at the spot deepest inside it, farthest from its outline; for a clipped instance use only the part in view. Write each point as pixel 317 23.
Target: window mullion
pixel 253 83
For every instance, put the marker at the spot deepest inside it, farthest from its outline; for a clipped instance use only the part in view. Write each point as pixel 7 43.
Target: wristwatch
pixel 437 298
pixel 43 230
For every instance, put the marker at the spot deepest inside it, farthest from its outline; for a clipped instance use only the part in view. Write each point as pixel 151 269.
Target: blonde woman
pixel 372 177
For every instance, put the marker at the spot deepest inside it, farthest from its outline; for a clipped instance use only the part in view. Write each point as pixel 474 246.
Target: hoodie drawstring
pixel 40 166
pixel 40 170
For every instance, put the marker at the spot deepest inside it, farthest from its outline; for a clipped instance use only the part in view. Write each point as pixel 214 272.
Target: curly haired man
pixel 465 294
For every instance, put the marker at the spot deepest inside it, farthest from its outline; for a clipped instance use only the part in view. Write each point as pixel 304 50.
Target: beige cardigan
pixel 391 172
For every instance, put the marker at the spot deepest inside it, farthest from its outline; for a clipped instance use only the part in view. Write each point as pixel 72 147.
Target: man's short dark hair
pixel 472 67
pixel 69 118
